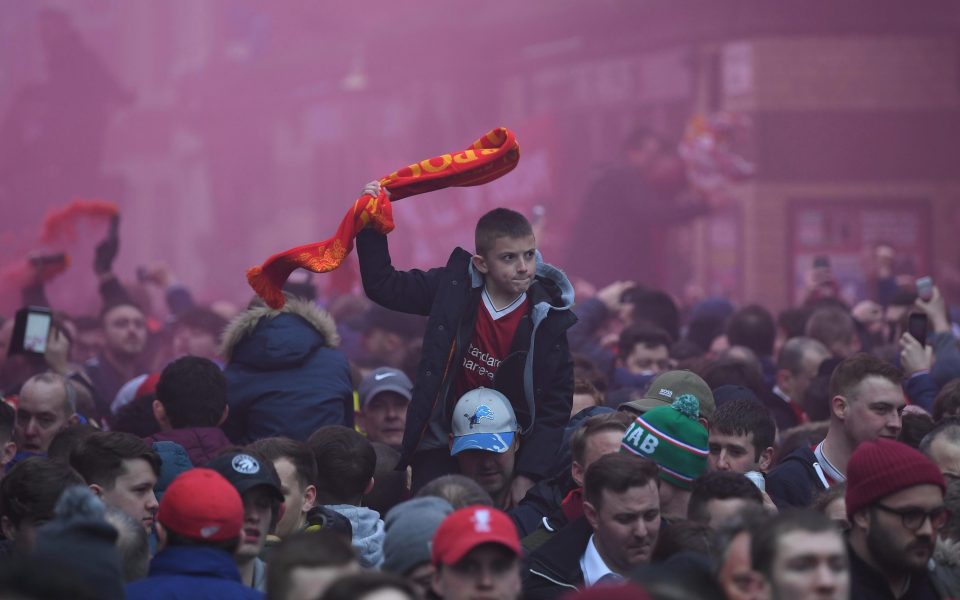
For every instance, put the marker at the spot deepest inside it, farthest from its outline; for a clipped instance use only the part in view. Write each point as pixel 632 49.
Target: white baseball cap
pixel 483 419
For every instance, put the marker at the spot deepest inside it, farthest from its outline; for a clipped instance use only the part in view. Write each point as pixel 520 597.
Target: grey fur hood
pixel 262 325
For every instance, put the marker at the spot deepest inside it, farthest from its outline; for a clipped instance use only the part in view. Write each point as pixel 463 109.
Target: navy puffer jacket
pixel 285 376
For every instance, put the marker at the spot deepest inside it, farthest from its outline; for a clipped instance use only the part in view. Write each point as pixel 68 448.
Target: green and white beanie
pixel 672 437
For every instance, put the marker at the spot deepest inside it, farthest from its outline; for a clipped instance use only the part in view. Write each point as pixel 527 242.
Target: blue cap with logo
pixel 483 419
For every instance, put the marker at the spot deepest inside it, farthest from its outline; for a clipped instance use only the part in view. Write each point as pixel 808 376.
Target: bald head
pixel 942 446
pixel 47 405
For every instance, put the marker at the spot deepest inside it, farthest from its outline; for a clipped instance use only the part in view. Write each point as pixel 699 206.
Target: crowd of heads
pixel 703 451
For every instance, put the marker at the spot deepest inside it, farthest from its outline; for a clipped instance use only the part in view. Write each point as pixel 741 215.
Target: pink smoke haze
pixel 228 130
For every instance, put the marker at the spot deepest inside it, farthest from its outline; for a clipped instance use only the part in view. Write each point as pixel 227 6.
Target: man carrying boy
pixel 500 309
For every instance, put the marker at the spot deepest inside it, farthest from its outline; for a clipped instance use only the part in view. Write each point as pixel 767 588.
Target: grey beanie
pixel 410 527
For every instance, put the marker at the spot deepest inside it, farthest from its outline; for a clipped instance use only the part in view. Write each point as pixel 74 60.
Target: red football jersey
pixel 490 343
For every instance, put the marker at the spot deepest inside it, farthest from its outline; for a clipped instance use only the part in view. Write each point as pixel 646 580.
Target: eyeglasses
pixel 914 518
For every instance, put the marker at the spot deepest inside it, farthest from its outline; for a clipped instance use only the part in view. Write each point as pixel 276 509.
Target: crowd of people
pixel 477 431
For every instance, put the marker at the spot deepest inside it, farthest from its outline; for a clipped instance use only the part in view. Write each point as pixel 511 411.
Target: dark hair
pixel 719 485
pixel 617 473
pixel 752 326
pixel 345 463
pixel 8 417
pixel 584 368
pixel 764 540
pixel 816 400
pixel 99 457
pixel 137 417
pixel 703 329
pixel 914 427
pixel 117 303
pixel 389 484
pixel 203 319
pixel 793 321
pixel 193 392
pixel 459 490
pixel 742 416
pixel 175 539
pixel 746 521
pixel 352 587
pixel 67 439
pixel 498 223
pixel 297 452
pixel 322 548
pixel 683 536
pixel 949 428
pixel 852 371
pixel 582 385
pixel 615 421
pixel 733 371
pixel 655 308
pixel 947 400
pixel 830 326
pixel 632 336
pixel 29 492
pixel 825 498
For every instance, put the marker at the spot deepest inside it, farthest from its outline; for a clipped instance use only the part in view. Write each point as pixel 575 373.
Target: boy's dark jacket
pixel 537 375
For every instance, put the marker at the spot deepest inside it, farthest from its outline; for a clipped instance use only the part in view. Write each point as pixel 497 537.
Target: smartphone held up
pixel 31 330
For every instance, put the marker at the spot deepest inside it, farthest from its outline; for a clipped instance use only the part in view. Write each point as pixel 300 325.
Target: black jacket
pixel 781 412
pixel 554 569
pixel 793 483
pixel 537 375
pixel 866 583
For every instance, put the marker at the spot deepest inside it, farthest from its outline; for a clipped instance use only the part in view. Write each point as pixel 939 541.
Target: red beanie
pixel 883 467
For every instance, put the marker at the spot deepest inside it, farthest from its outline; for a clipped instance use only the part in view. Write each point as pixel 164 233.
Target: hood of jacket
pixel 195 560
pixel 368 533
pixel 947 553
pixel 272 339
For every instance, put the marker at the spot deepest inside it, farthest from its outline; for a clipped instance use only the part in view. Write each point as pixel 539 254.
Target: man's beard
pixel 896 559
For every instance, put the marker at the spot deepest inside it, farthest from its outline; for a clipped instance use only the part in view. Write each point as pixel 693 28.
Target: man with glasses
pixel 895 506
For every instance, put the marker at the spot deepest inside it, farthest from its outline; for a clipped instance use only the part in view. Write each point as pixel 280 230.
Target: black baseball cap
pixel 245 472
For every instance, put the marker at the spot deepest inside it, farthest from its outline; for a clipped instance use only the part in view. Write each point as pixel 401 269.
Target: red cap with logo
pixel 201 504
pixel 469 527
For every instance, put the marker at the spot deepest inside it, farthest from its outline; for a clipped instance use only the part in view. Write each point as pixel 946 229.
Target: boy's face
pixel 509 266
pixel 132 492
pixel 257 517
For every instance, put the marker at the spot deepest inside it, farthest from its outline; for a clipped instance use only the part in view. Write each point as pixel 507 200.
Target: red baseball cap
pixel 469 527
pixel 201 504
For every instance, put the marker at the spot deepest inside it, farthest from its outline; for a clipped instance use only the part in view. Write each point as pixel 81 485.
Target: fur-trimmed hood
pixel 947 553
pixel 266 336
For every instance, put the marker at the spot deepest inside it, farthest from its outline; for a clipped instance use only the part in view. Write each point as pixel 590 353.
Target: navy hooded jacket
pixel 285 376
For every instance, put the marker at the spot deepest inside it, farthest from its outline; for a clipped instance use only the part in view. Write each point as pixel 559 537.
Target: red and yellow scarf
pixel 492 156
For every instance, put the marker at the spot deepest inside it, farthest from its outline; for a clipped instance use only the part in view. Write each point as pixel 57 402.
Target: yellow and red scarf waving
pixel 492 156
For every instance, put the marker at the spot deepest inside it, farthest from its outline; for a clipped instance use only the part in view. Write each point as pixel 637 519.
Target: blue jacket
pixel 285 376
pixel 191 573
pixel 796 480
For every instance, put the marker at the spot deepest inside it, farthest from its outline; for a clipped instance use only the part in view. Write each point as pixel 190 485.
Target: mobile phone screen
pixel 37 330
pixel 917 327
